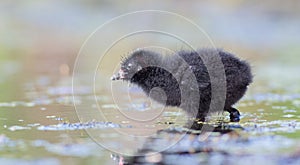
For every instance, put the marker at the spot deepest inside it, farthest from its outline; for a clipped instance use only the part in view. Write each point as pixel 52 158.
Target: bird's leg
pixel 196 123
pixel 234 114
pixel 201 117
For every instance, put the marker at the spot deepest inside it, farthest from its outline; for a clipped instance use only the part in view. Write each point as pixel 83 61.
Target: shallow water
pixel 42 126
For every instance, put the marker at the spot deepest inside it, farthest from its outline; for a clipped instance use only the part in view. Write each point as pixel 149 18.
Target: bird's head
pixel 135 62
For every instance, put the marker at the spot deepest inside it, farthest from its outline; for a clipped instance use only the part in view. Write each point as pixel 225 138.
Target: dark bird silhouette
pixel 187 79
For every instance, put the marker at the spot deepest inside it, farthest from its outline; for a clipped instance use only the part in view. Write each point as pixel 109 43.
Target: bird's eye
pixel 129 66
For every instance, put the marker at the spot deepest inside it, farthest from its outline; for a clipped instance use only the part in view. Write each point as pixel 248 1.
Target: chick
pixel 185 78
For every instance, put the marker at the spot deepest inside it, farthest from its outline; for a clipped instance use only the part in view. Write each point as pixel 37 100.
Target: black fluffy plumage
pixel 187 79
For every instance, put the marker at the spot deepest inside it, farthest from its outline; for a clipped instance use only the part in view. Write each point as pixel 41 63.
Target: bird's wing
pixel 199 73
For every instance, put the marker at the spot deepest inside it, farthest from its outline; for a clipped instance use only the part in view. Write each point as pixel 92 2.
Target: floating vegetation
pixel 17 103
pixel 17 128
pixel 78 126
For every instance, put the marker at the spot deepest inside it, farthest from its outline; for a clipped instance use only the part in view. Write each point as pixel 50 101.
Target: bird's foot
pixel 234 115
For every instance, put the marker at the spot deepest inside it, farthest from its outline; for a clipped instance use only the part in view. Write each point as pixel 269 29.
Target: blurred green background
pixel 39 37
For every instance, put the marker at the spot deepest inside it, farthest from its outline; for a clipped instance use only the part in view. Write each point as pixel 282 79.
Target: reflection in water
pixel 225 145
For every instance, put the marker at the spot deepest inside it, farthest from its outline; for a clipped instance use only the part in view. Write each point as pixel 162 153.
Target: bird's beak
pixel 118 76
pixel 115 77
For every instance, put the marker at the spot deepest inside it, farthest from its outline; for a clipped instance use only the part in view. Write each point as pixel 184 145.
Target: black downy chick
pixel 183 79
